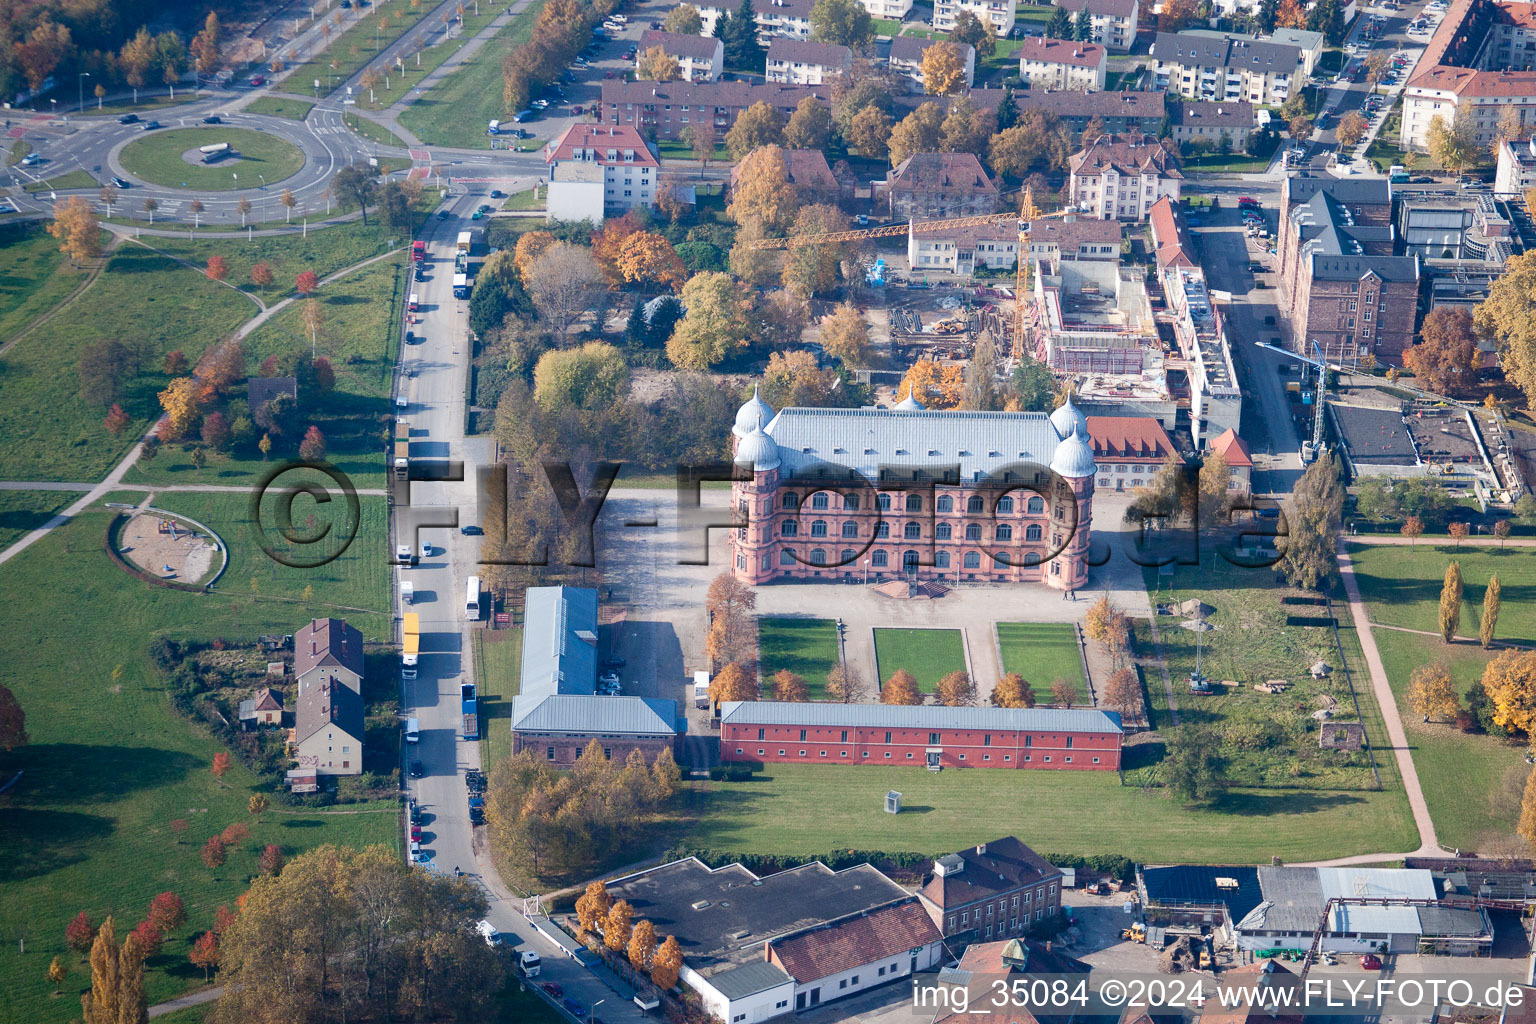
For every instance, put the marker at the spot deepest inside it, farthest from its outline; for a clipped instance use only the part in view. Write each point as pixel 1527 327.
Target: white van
pixel 489 933
pixel 412 730
pixel 701 690
pixel 530 963
pixel 407 592
pixel 494 128
pixel 414 303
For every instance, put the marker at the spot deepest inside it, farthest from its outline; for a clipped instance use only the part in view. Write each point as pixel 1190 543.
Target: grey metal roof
pixel 1346 190
pixel 865 439
pixel 1298 37
pixel 587 714
pixel 559 641
pixel 1446 922
pixel 1242 52
pixel 923 716
pixel 682 45
pixel 1401 883
pixel 749 979
pixel 1375 436
pixel 1293 901
pixel 803 51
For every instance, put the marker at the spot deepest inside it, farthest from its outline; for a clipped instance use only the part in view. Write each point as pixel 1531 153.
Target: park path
pixel 390 114
pixel 198 998
pixel 114 479
pixel 1459 638
pixel 66 301
pixel 1389 540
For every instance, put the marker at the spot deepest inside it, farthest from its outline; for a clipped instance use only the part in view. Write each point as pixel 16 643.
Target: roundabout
pixel 173 158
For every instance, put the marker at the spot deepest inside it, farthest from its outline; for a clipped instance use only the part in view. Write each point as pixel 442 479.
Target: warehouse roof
pixel 588 714
pixel 559 641
pixel 1199 883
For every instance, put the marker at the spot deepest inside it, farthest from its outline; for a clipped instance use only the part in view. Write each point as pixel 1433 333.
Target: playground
pixel 167 547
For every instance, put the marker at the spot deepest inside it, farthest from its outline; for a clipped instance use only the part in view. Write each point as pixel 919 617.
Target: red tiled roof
pixel 1128 154
pixel 1232 448
pixel 808 168
pixel 1129 437
pixel 1054 51
pixel 986 965
pixel 1169 236
pixel 996 866
pixel 600 138
pixel 855 941
pixel 267 699
pixel 943 172
pixel 1071 235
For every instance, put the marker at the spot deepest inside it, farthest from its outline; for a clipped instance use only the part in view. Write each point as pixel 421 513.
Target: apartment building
pixel 889 10
pixel 1516 167
pixel 1226 68
pixel 699 58
pixel 801 62
pixel 668 107
pixel 1119 112
pixel 1213 120
pixel 1113 21
pixel 1056 64
pixel 999 12
pixel 940 185
pixel 1481 61
pixel 1074 237
pixel 964 250
pixel 593 167
pixel 1119 177
pixel 774 17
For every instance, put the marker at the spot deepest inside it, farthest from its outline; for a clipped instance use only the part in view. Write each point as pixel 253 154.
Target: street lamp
pixel 866 572
pixel 592 1014
pixel 80 83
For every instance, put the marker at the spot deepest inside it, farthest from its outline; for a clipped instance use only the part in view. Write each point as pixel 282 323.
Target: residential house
pixel 1113 21
pixel 887 10
pixel 1226 68
pixel 594 167
pixel 906 58
pixel 328 649
pixel 264 707
pixel 1479 63
pixel 328 728
pixel 963 250
pixel 994 890
pixel 699 58
pixel 809 175
pixel 999 12
pixel 1119 112
pixel 1074 237
pixel 1056 64
pixel 1516 166
pixel 261 390
pixel 756 948
pixel 1171 244
pixel 1234 450
pixel 927 185
pixel 802 62
pixel 666 108
pixel 1213 121
pixel 1129 450
pixel 774 17
pixel 1119 177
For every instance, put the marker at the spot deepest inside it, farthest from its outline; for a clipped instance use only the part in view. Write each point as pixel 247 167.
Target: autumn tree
pixel 1450 603
pixel 936 385
pixel 642 945
pixel 205 952
pixel 1447 349
pixel 1012 691
pixel 810 126
pixel 305 282
pixel 56 974
pixel 1527 826
pixel 789 687
pixel 591 377
pixel 965 129
pixel 261 274
pixel 205 46
pixel 869 132
pixel 312 447
pixel 1510 681
pixel 48 44
pixel 1452 143
pixel 1291 14
pixel 727 595
pixel 842 22
pixel 214 852
pixel 901 688
pixel 1502 530
pixel 657 65
pixel 761 124
pixel 1313 512
pixel 1489 620
pixel 845 335
pixel 1431 692
pixel 564 282
pixel 1352 128
pixel 714 326
pixel 1508 319
pixel 617 926
pixel 666 964
pixel 956 690
pixel 1038 142
pixel 762 190
pixel 1177 14
pixel 75 225
pixel 843 686
pixel 648 258
pixel 1063 693
pixel 918 132
pixel 592 909
pixel 80 934
pixel 179 400
pixel 701 142
pixel 355 184
pixel 975 32
pixel 684 19
pixel 731 683
pixel 1122 691
pixel 1413 529
pixel 811 268
pixel 167 912
pixel 943 69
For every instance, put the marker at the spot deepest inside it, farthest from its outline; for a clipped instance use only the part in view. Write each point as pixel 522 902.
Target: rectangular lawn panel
pixel 804 810
pixel 1042 652
pixel 928 654
pixel 1402 585
pixel 807 647
pixel 280 106
pixel 112 772
pixel 498 678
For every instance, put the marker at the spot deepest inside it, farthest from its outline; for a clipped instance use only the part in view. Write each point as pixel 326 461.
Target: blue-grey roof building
pixel 558 711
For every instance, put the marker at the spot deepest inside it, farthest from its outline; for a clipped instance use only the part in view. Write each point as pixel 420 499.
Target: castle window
pixel 973 503
pixel 946 504
pixel 789 528
pixel 1033 532
pixel 942 531
pixel 883 502
pixel 790 500
pixel 818 556
pixel 914 503
pixel 1004 532
pixel 912 531
pixel 972 560
pixel 851 502
pixel 818 528
pixel 1005 504
pixel 883 531
pixel 941 560
pixel 850 529
pixel 972 531
pixel 1036 505
pixel 819 501
pixel 879 560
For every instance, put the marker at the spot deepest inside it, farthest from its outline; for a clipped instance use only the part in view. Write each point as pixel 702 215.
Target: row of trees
pixel 61 41
pixel 560 31
pixel 551 824
pixel 602 919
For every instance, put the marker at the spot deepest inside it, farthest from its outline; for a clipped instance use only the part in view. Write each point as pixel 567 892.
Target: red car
pixel 1370 962
pixel 1247 201
pixel 553 989
pixel 576 110
pixel 607 74
pixel 258 80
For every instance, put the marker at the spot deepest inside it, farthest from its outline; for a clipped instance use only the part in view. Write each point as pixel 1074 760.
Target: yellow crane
pixel 1027 215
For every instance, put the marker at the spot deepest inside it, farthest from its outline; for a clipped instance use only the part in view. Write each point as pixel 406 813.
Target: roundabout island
pixel 174 158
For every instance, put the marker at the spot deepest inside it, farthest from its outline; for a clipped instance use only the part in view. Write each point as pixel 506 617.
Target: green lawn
pixel 51 434
pixel 158 157
pixel 280 106
pixel 807 647
pixel 1232 163
pixel 1472 783
pixel 21 512
pixel 498 676
pixel 1403 585
pixel 418 66
pixel 806 810
pixel 71 179
pixel 456 110
pixel 528 199
pixel 1042 652
pixel 885 27
pixel 361 338
pixel 670 150
pixel 34 276
pixel 929 654
pixel 110 767
pixel 373 131
pixel 363 37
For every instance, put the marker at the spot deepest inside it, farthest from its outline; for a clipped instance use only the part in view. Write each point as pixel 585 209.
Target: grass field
pixel 34 276
pixel 419 65
pixel 21 512
pixel 807 647
pixel 373 131
pixel 456 110
pixel 110 766
pixel 929 654
pixel 157 157
pixel 799 810
pixel 361 338
pixel 68 180
pixel 498 674
pixel 1472 783
pixel 1042 652
pixel 359 42
pixel 51 433
pixel 1402 585
pixel 280 106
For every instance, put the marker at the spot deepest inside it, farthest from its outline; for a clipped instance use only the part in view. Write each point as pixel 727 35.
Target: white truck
pixel 407 592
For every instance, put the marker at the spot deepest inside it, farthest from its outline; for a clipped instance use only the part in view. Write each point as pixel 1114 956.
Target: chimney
pixel 981 849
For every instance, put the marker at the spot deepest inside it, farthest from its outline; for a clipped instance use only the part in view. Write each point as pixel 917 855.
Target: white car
pixel 541 104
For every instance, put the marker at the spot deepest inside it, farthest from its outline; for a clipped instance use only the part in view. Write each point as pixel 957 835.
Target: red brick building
pixel 994 890
pixel 928 735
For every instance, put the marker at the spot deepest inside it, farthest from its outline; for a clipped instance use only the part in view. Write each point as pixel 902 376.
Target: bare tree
pixel 564 282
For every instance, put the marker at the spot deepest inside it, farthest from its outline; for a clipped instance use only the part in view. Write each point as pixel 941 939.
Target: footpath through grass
pixel 161 157
pixel 34 276
pixel 498 678
pixel 111 771
pixel 1042 652
pixel 1402 585
pixel 370 32
pixel 808 809
pixel 21 512
pixel 928 654
pixel 807 647
pixel 455 111
pixel 280 106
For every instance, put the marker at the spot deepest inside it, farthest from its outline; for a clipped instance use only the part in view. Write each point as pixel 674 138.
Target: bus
pixel 472 599
pixel 466 241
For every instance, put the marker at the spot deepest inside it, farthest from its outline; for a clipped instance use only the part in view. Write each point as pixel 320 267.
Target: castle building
pixel 877 494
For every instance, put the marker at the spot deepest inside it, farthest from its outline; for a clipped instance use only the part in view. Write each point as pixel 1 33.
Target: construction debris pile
pixel 1183 954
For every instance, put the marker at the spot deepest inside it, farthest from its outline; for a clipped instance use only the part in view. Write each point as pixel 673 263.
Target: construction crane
pixel 1322 366
pixel 1027 215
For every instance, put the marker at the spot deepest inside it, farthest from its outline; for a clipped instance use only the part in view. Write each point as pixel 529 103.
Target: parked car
pixel 31 160
pixel 553 989
pixel 607 74
pixel 609 678
pixel 471 531
pixel 122 183
pixel 417 769
pixel 128 119
pixel 258 80
pixel 573 1008
pixel 1370 962
pixel 497 193
pixel 150 126
pixel 484 208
